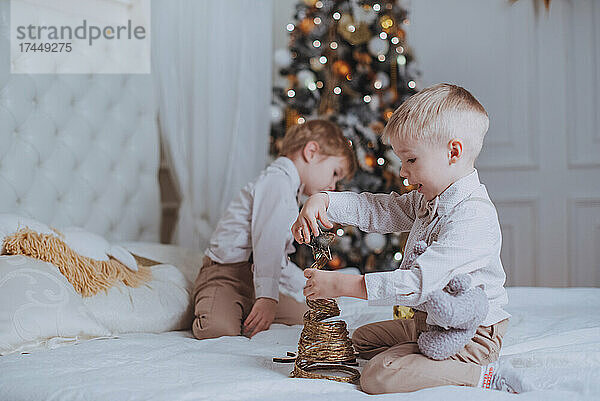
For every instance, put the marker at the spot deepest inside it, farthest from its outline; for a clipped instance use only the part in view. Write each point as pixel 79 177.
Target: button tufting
pixel 37 143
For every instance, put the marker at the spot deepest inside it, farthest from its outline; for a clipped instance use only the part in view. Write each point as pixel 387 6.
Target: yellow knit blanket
pixel 88 276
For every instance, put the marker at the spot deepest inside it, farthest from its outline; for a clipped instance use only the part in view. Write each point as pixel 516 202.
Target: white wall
pixel 539 79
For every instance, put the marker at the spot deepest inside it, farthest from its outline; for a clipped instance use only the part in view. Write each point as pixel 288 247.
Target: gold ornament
pixel 386 22
pixel 387 114
pixel 403 312
pixel 355 34
pixel 310 3
pixel 341 67
pixel 306 25
pixel 335 262
pixel 370 160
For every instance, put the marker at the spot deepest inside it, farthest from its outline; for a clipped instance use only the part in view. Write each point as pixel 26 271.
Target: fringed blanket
pixel 88 276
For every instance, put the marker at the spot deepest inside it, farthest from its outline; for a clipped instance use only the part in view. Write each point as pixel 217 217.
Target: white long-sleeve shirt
pixel 258 222
pixel 462 233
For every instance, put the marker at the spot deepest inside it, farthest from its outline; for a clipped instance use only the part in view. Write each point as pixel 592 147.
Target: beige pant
pixel 396 365
pixel 224 296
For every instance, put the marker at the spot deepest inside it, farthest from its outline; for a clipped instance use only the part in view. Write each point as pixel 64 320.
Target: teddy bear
pixel 457 309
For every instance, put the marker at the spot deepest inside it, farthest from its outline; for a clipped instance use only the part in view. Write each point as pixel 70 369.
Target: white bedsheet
pixel 553 339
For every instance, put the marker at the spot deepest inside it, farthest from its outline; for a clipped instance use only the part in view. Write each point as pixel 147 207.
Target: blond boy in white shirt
pixel 437 133
pixel 237 290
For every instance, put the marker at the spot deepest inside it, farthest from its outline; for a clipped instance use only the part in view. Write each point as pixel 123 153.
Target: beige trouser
pixel 224 296
pixel 396 365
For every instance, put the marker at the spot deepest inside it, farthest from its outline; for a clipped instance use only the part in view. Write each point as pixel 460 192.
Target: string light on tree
pixel 349 61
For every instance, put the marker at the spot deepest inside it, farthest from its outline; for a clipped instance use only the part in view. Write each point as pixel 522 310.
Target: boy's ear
pixel 310 151
pixel 455 150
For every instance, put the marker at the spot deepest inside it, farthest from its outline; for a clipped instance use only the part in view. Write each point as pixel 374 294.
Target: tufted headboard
pixel 79 150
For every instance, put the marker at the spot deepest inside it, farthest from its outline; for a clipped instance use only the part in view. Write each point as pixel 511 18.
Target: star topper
pixel 320 248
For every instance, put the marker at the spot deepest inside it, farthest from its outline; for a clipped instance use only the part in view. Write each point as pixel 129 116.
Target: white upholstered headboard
pixel 79 150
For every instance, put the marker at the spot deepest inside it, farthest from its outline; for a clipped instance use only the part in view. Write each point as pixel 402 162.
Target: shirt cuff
pixel 393 288
pixel 266 288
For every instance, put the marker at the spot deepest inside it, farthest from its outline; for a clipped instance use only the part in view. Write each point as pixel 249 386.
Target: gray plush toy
pixel 459 308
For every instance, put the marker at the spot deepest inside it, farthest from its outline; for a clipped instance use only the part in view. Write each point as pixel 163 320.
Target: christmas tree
pixel 348 61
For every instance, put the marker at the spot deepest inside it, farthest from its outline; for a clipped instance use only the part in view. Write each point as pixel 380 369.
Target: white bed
pixel 83 150
pixel 554 340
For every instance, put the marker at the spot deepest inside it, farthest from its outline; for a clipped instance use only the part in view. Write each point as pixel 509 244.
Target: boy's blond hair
pixel 438 114
pixel 328 135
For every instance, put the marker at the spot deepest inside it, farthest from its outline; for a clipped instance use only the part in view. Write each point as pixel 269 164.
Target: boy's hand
pixel 327 284
pixel 261 316
pixel 314 208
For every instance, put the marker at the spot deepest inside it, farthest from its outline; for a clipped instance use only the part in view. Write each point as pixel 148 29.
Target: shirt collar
pixel 452 196
pixel 457 192
pixel 289 168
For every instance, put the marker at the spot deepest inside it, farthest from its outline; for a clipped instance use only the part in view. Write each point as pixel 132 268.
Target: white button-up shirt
pixel 461 230
pixel 258 222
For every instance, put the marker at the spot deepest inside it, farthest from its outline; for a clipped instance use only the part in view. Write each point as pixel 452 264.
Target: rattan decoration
pixel 324 343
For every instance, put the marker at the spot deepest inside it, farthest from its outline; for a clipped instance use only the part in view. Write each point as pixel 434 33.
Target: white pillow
pixel 11 223
pixel 96 247
pixel 188 261
pixel 81 241
pixel 162 304
pixel 38 305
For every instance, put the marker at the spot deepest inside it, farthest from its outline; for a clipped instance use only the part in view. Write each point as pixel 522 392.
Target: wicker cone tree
pixel 324 344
